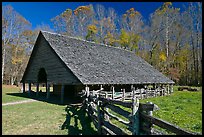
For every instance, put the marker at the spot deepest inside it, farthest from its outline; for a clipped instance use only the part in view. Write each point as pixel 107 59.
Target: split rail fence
pixel 124 115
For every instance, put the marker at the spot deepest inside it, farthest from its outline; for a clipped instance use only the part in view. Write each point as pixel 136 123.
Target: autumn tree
pixel 13 27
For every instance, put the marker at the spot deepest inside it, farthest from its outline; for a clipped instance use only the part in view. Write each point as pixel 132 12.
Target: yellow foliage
pixel 83 9
pixel 92 28
pixel 162 56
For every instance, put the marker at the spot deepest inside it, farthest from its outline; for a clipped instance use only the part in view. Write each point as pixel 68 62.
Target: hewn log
pixel 119 110
pixel 124 104
pixel 135 114
pixel 99 115
pixel 165 125
pixel 114 128
pixel 117 118
pixel 106 131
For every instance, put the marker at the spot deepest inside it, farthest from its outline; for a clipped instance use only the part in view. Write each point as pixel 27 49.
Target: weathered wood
pixel 48 90
pixel 117 118
pixel 124 104
pixel 114 128
pixel 171 88
pixel 106 131
pixel 146 107
pixel 156 132
pixel 37 89
pixel 165 125
pixel 135 114
pixel 99 116
pixel 62 94
pixel 29 88
pixel 119 110
pixel 113 92
pixel 123 97
pixel 53 66
pixel 23 87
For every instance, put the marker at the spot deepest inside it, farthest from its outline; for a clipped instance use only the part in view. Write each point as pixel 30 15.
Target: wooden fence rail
pixel 103 110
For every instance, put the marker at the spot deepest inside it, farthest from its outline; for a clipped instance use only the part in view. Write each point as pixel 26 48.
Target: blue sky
pixel 42 12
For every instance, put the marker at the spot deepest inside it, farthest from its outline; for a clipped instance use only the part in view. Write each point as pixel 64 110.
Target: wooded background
pixel 170 40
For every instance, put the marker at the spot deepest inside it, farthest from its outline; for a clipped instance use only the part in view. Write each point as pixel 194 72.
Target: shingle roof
pixel 94 63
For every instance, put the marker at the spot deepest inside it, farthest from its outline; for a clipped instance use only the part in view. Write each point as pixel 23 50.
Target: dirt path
pixel 19 102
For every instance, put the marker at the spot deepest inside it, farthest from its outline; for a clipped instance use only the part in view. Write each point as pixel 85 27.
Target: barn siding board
pixel 44 57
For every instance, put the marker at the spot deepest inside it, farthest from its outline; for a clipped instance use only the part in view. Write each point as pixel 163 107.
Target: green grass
pixel 43 118
pixel 7 91
pixel 181 108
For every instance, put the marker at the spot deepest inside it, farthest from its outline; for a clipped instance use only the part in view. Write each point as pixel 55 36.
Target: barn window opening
pixel 42 76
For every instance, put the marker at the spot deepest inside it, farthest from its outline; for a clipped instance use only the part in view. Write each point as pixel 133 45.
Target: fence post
pixel 149 113
pixel 99 115
pixel 106 116
pixel 135 114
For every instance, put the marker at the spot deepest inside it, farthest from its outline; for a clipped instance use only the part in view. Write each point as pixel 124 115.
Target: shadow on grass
pixel 77 122
pixel 54 99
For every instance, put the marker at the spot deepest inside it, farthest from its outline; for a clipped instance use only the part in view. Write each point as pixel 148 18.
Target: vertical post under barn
pixel 123 98
pixel 48 90
pixel 62 94
pixel 37 89
pixel 23 87
pixel 113 92
pixel 29 88
pixel 171 88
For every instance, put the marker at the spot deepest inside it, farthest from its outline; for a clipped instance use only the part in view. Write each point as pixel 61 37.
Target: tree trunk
pixel 3 63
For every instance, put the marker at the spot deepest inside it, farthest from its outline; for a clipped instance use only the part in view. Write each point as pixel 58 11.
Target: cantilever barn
pixel 70 64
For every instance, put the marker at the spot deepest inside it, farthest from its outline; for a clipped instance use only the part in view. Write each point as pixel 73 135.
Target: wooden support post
pixel 106 116
pixel 37 89
pixel 123 98
pixel 135 114
pixel 101 88
pixel 62 94
pixel 168 89
pixel 150 113
pixel 171 88
pixel 113 92
pixel 140 93
pixel 29 89
pixel 23 88
pixel 48 90
pixel 99 115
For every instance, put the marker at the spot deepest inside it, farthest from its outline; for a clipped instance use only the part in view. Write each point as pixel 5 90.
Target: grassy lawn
pixel 43 118
pixel 7 92
pixel 181 108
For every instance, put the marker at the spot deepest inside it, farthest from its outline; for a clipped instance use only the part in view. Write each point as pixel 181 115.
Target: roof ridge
pixel 101 44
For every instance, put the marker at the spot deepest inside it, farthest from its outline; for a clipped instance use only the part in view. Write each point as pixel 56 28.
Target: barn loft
pixel 70 64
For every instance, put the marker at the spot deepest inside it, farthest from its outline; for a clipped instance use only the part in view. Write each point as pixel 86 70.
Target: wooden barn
pixel 70 64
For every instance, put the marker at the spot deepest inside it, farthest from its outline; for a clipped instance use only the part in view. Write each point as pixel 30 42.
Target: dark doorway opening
pixel 42 76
